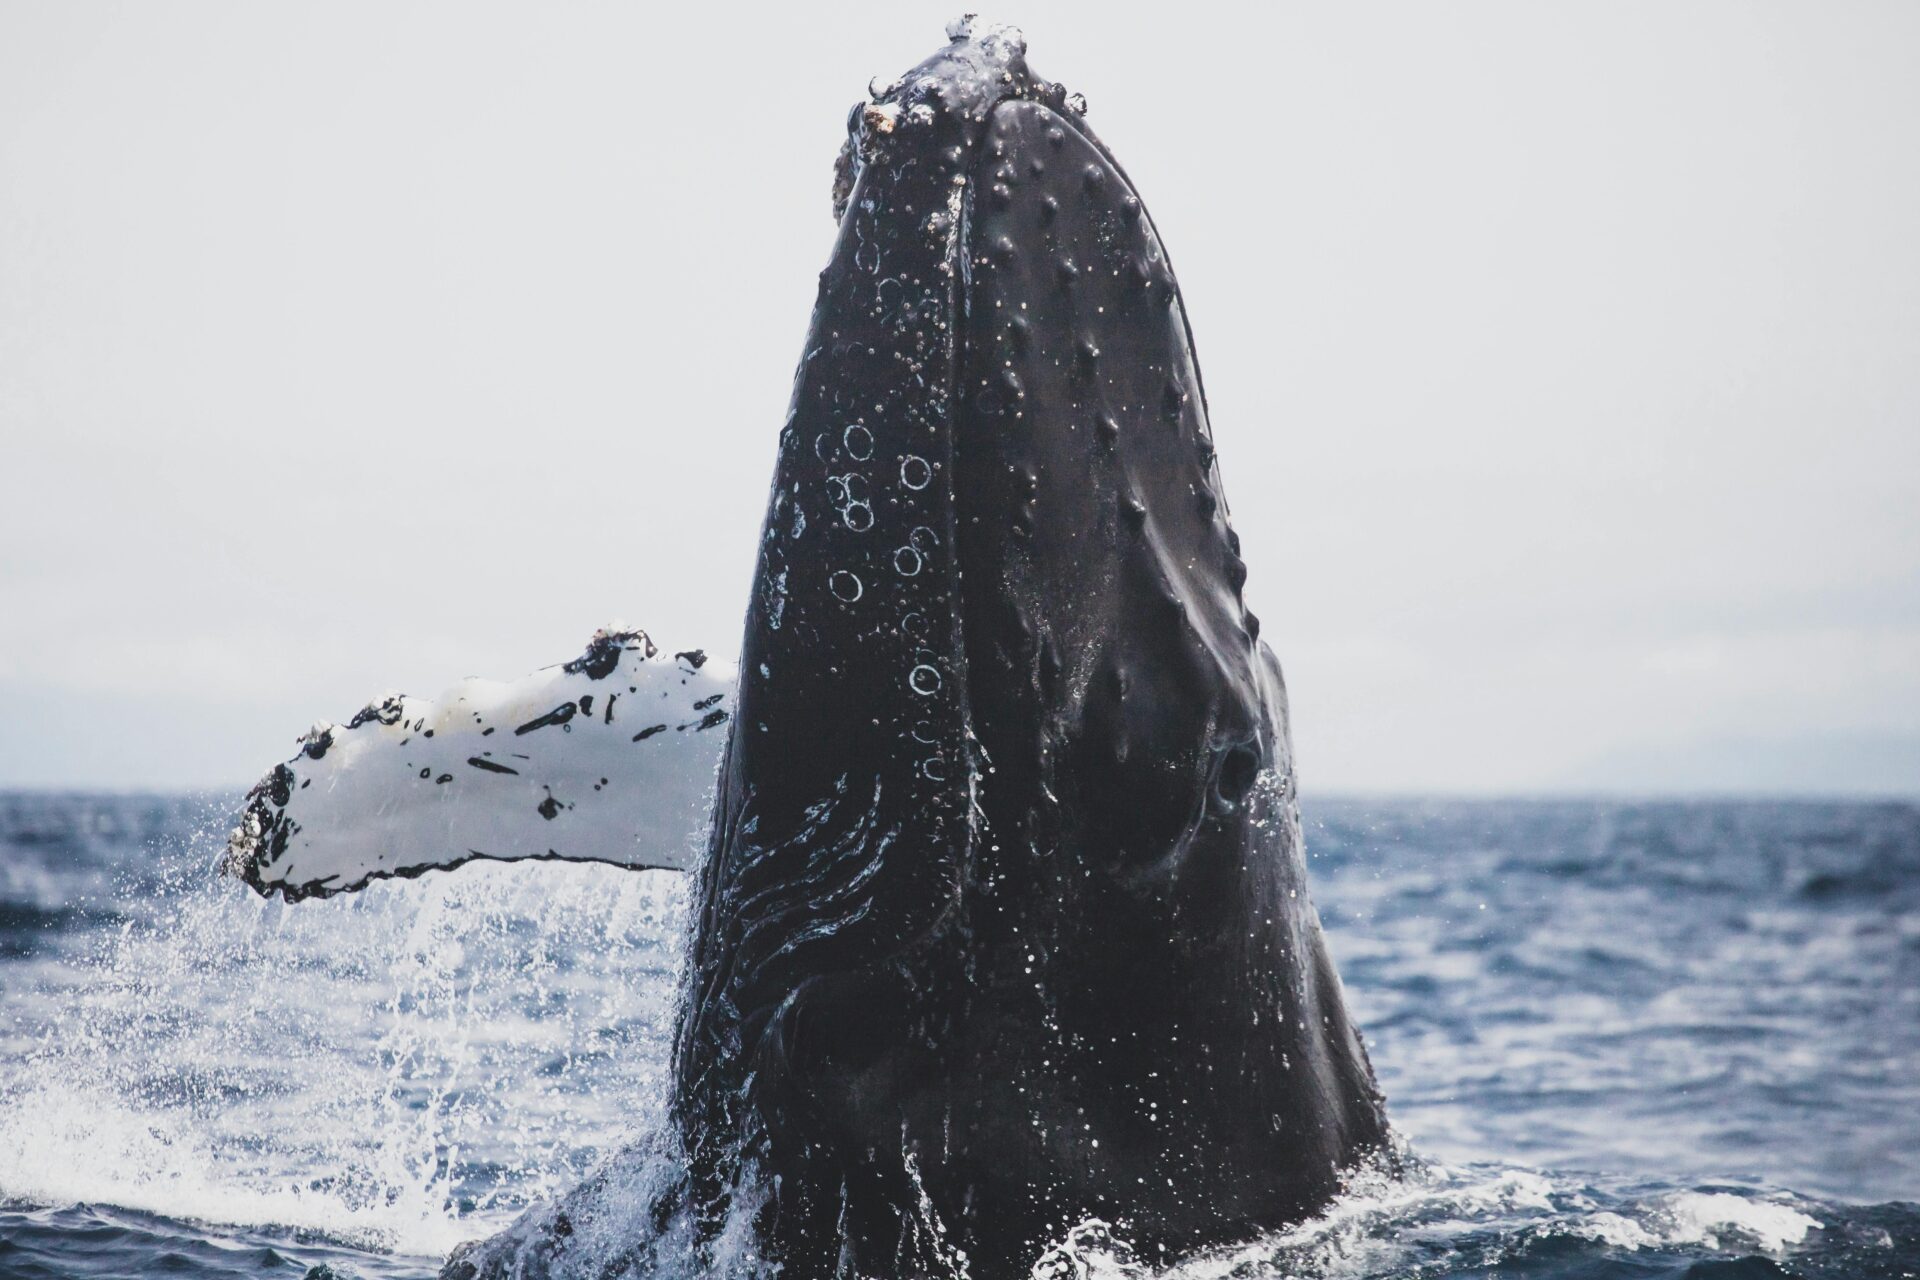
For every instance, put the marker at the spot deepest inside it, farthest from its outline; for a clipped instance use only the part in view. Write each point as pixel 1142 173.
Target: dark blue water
pixel 1620 1040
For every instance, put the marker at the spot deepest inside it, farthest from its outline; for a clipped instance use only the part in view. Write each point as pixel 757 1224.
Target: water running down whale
pixel 1001 923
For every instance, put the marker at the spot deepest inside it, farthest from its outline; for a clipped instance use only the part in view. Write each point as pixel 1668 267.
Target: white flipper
pixel 608 758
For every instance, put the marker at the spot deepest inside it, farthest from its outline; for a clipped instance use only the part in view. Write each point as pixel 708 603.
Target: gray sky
pixel 1564 360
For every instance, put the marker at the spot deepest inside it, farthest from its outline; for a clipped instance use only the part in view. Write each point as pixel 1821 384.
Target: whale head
pixel 1004 921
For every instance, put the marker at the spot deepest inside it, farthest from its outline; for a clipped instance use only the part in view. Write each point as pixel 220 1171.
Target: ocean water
pixel 1619 1040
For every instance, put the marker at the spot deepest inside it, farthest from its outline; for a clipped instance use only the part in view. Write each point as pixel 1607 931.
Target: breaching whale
pixel 1001 922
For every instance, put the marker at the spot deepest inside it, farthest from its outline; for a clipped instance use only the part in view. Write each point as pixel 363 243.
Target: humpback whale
pixel 1001 922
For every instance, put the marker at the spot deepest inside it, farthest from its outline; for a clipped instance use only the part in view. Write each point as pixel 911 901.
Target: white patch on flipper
pixel 608 758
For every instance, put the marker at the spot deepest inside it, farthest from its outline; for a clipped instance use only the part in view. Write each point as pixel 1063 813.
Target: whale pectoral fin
pixel 607 758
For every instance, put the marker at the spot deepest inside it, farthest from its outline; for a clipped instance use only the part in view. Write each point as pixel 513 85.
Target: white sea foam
pixel 1392 1224
pixel 1721 1220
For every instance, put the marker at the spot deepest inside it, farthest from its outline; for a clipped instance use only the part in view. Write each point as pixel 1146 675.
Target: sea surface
pixel 1619 1039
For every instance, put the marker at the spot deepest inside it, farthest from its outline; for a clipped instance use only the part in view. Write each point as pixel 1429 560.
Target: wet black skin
pixel 1004 923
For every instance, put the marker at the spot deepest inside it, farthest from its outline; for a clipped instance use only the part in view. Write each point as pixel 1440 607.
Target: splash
pixel 398 1071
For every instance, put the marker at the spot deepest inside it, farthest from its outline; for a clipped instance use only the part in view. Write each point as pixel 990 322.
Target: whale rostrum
pixel 1001 926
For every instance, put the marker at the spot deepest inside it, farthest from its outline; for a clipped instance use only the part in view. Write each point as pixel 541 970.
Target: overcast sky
pixel 1564 360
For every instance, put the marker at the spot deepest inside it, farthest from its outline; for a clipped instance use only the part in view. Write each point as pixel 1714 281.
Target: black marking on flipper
pixel 386 711
pixel 649 731
pixel 602 657
pixel 695 658
pixel 559 715
pixel 490 766
pixel 704 703
pixel 549 808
